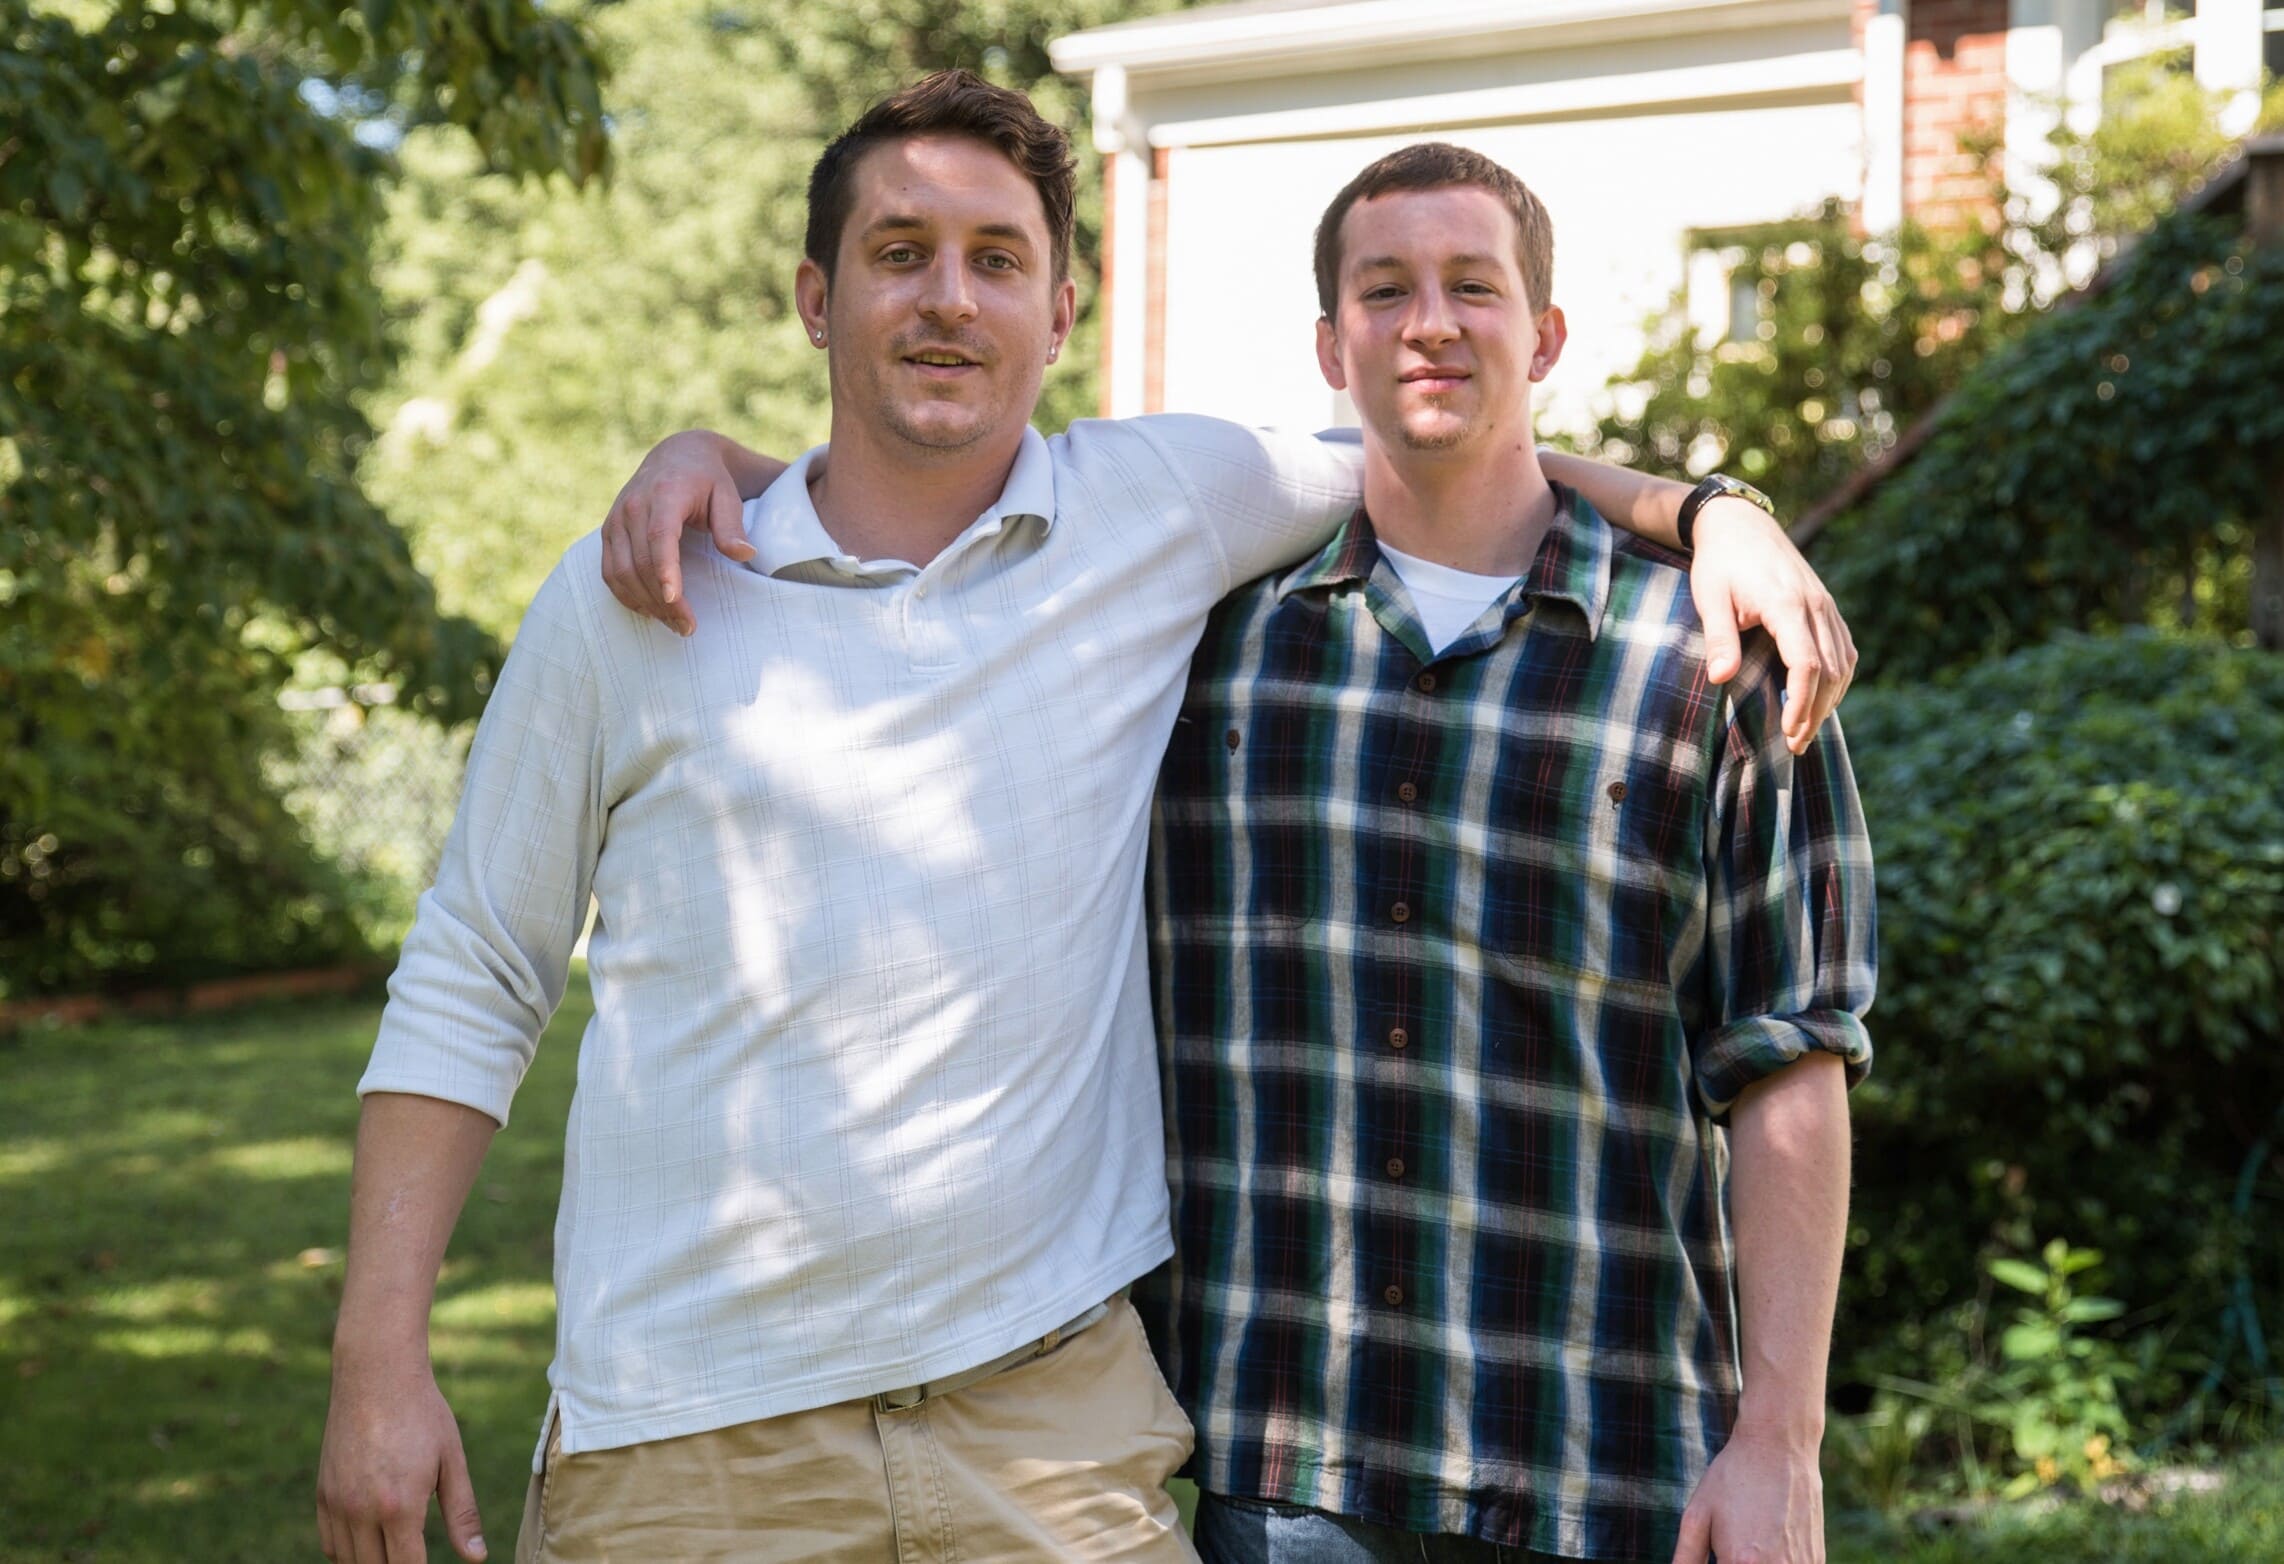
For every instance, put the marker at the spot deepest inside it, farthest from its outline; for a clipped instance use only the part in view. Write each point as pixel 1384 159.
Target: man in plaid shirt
pixel 1510 977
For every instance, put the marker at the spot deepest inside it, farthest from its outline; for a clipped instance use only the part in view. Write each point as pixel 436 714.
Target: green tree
pixel 554 335
pixel 188 195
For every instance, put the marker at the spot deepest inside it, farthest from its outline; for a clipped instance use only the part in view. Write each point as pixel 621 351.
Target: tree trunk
pixel 2264 220
pixel 2268 572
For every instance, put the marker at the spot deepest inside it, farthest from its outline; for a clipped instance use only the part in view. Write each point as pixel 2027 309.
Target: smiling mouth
pixel 939 360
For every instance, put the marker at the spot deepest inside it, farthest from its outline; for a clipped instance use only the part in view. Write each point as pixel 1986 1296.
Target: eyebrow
pixel 907 222
pixel 1391 263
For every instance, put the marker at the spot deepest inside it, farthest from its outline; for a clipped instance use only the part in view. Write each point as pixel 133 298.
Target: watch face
pixel 1744 491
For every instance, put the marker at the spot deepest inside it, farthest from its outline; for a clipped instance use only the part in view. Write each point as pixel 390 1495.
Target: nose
pixel 947 296
pixel 1430 321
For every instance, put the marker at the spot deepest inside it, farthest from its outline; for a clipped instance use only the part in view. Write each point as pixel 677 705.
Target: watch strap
pixel 1713 486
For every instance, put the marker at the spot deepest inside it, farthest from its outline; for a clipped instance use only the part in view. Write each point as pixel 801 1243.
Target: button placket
pixel 929 633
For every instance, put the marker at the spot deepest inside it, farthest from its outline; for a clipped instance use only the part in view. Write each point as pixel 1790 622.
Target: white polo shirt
pixel 870 1094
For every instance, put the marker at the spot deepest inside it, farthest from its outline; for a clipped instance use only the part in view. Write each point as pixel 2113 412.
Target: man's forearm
pixel 1646 506
pixel 416 1161
pixel 1788 1200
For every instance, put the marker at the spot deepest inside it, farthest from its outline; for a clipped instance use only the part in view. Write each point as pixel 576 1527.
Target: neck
pixel 1484 511
pixel 881 497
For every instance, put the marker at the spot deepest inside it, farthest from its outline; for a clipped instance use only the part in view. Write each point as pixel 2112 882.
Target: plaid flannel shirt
pixel 1460 960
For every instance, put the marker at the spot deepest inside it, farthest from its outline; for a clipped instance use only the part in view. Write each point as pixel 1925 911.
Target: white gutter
pixel 1791 77
pixel 1297 39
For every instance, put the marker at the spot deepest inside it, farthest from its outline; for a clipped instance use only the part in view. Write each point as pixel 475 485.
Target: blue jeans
pixel 1256 1531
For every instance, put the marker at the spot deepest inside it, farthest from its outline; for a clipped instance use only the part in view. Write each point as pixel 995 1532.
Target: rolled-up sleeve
pixel 490 949
pixel 1791 938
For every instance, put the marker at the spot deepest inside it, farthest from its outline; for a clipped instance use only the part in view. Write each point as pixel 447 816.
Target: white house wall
pixel 1624 189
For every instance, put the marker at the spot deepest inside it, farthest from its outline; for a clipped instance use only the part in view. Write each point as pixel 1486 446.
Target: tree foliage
pixel 1856 338
pixel 188 197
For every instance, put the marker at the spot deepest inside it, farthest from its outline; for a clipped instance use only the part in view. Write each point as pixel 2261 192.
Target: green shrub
pixel 2081 871
pixel 141 844
pixel 2104 470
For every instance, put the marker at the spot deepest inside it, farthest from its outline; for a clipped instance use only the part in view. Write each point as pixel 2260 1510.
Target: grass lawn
pixel 164 1318
pixel 174 1200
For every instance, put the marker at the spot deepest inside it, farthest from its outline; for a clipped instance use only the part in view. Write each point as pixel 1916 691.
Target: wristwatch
pixel 1714 486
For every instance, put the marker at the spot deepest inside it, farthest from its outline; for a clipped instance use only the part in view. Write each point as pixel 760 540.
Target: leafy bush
pixel 2103 469
pixel 139 842
pixel 2081 865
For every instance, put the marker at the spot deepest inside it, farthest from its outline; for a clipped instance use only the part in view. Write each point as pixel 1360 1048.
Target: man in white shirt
pixel 866 1142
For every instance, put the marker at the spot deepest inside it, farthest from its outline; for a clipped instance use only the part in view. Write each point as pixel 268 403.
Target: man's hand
pixel 685 482
pixel 390 1442
pixel 1762 1502
pixel 1748 573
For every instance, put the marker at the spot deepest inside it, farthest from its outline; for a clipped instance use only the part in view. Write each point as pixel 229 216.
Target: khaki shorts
pixel 1064 1455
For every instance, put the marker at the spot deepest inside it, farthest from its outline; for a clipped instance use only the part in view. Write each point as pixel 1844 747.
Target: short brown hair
pixel 1438 165
pixel 949 103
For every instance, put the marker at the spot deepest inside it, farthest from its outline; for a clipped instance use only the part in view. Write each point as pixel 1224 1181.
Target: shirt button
pixel 1617 792
pixel 1407 792
pixel 920 591
pixel 1230 738
pixel 1398 1038
pixel 1395 1167
pixel 1394 1295
pixel 1425 683
pixel 1401 912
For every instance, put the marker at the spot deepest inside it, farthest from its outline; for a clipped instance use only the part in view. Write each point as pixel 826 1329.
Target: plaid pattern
pixel 1459 962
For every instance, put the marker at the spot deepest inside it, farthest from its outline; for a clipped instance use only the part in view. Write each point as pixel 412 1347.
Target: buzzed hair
pixel 1438 165
pixel 949 103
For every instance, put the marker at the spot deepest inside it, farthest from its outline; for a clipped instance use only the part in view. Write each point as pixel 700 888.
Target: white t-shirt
pixel 1448 600
pixel 870 1095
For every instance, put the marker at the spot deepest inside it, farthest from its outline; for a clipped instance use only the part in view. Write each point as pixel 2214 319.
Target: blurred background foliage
pixel 553 336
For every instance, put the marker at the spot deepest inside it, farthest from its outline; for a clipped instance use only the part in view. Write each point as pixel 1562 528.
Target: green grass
pixel 164 1326
pixel 2242 1523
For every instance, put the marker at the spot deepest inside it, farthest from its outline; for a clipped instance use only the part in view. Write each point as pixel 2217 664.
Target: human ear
pixel 809 293
pixel 1553 332
pixel 1328 356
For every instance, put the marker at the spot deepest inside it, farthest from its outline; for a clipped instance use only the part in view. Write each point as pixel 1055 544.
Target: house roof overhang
pixel 1267 38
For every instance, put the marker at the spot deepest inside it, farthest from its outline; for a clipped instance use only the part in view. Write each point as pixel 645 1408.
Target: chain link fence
pixel 375 786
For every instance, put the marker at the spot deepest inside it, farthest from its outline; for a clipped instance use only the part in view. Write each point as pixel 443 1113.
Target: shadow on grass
pixel 176 1196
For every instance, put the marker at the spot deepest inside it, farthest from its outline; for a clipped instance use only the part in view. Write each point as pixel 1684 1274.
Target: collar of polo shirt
pixel 783 526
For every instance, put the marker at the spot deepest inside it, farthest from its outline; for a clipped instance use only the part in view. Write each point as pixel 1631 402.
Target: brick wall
pixel 1954 79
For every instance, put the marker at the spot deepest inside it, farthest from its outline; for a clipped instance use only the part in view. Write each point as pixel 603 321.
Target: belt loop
pixel 903 1399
